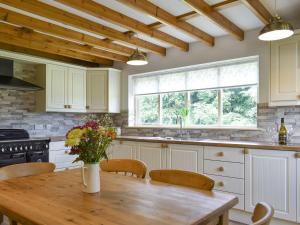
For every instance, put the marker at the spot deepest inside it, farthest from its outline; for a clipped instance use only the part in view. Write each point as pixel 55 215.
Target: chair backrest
pixel 135 167
pixel 25 169
pixel 183 178
pixel 262 214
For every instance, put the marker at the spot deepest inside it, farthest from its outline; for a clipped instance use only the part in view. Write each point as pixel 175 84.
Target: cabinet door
pixel 185 157
pixel 59 155
pixel 56 92
pixel 298 190
pixel 271 177
pixel 285 77
pixel 153 155
pixel 122 150
pixel 97 88
pixel 76 89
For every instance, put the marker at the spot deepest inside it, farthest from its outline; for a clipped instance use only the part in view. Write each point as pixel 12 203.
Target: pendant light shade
pixel 277 29
pixel 137 59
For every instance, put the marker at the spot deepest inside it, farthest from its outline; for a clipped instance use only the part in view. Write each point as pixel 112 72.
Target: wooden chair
pixel 135 167
pixel 262 214
pixel 23 170
pixel 183 178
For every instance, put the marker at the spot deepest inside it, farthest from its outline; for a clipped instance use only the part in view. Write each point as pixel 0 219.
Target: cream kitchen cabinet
pixel 153 154
pixel 56 82
pixel 226 167
pixel 122 150
pixel 185 157
pixel 285 72
pixel 59 155
pixel 65 89
pixel 103 90
pixel 270 176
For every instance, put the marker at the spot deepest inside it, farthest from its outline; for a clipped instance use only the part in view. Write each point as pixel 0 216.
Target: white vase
pixel 90 178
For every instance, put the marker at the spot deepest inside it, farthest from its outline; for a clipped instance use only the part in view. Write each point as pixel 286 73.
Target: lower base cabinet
pixel 185 157
pixel 153 154
pixel 59 155
pixel 122 150
pixel 271 177
pixel 250 174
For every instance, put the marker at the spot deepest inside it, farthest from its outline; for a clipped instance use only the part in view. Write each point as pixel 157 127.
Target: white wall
pixel 225 48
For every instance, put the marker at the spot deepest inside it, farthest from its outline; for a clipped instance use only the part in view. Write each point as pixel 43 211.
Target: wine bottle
pixel 282 136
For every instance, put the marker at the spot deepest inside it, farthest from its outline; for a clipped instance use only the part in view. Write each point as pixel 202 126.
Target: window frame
pixel 188 105
pixel 132 98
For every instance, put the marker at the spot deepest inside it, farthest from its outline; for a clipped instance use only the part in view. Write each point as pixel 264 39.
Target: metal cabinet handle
pixel 297 155
pixel 65 106
pixel 246 151
pixel 221 184
pixel 164 145
pixel 87 107
pixel 220 154
pixel 221 169
pixel 69 106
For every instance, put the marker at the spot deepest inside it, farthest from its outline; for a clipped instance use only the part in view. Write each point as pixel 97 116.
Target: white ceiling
pixel 238 14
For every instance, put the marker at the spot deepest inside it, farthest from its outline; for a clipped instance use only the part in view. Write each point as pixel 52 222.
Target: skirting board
pixel 245 217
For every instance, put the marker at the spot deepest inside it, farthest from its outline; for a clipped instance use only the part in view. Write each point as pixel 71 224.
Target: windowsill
pixel 195 128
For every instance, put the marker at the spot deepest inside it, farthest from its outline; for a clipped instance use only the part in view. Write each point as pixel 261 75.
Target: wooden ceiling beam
pixel 45 27
pixel 27 51
pixel 202 7
pixel 192 14
pixel 12 35
pixel 61 43
pixel 53 13
pixel 163 16
pixel 259 10
pixel 105 13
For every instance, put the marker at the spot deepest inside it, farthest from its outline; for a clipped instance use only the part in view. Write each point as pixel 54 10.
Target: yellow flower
pixel 74 137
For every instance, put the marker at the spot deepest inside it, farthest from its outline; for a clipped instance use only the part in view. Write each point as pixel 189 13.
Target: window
pixel 222 94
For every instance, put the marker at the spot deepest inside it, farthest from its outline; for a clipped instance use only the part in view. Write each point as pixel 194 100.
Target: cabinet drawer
pixel 228 184
pixel 224 154
pixel 226 169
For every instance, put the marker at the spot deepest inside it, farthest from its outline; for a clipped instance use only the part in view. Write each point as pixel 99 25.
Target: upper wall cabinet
pixel 103 90
pixel 285 73
pixel 65 89
pixel 75 89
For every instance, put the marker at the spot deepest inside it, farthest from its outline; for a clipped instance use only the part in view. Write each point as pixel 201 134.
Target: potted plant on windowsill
pixel 90 142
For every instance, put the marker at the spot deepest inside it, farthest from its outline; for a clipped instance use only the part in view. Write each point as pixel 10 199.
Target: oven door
pixel 38 156
pixel 12 158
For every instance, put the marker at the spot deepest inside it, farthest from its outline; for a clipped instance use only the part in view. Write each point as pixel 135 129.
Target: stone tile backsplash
pixel 17 111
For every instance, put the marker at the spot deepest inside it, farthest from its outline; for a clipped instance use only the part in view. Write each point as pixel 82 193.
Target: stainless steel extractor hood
pixel 8 81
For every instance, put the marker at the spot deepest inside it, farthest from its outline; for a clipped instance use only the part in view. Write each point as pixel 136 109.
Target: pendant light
pixel 137 59
pixel 277 29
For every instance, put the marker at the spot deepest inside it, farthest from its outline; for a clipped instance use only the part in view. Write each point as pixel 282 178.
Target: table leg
pixel 224 219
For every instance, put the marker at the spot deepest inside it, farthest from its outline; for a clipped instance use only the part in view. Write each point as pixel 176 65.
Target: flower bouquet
pixel 90 142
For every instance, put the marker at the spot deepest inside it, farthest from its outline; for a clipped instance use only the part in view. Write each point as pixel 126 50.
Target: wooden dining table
pixel 57 199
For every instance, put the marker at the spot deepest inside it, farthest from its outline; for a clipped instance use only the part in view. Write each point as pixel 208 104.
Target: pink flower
pixel 91 124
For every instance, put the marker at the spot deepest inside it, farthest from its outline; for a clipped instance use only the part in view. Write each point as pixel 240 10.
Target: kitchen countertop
pixel 204 141
pixel 214 142
pixel 57 138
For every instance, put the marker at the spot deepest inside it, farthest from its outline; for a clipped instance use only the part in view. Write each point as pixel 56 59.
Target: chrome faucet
pixel 179 119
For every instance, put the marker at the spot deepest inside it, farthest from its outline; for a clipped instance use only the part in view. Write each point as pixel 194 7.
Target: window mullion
pixel 220 107
pixel 160 108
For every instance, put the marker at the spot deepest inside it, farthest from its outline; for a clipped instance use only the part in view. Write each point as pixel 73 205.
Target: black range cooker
pixel 17 147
